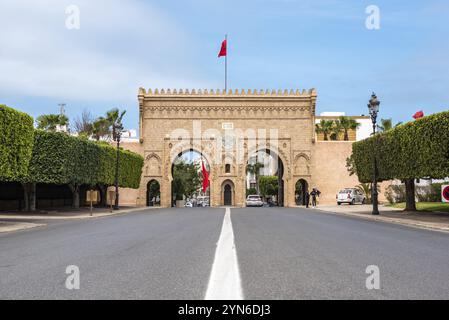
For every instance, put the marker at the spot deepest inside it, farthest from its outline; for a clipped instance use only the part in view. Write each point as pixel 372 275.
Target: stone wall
pixel 329 170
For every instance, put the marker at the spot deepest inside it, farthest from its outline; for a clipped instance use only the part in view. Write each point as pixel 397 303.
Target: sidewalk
pixel 15 221
pixel 16 226
pixel 424 220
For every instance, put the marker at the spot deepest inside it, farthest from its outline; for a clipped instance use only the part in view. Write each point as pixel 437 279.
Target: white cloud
pixel 120 46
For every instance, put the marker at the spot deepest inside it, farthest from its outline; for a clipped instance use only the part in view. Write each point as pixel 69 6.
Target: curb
pixel 77 217
pixel 18 226
pixel 416 225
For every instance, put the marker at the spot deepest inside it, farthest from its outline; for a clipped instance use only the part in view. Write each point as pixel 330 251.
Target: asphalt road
pixel 169 254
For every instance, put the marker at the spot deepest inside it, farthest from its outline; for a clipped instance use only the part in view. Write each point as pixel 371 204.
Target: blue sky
pixel 123 45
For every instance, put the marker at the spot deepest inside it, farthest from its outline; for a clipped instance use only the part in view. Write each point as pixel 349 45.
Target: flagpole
pixel 226 64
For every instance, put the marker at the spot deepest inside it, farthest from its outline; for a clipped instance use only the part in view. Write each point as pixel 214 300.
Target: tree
pixel 351 165
pixel 251 191
pixel 83 124
pixel 114 117
pixel 336 130
pixel 347 124
pixel 254 169
pixel 269 186
pixel 101 128
pixel 415 150
pixel 387 125
pixel 366 188
pixel 155 189
pixel 16 146
pixel 186 178
pixel 16 143
pixel 324 127
pixel 61 159
pixel 51 122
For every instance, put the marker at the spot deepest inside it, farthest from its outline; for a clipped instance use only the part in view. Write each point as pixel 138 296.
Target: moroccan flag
pixel 418 115
pixel 205 176
pixel 223 50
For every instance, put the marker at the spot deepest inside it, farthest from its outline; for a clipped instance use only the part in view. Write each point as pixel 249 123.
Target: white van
pixel 351 196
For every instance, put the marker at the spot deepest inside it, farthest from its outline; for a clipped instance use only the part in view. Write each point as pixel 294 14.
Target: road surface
pixel 262 253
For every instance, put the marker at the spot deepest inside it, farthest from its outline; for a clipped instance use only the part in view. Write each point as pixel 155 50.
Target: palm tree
pixel 105 126
pixel 347 124
pixel 254 169
pixel 101 128
pixel 114 117
pixel 366 188
pixel 387 125
pixel 324 127
pixel 336 130
pixel 51 122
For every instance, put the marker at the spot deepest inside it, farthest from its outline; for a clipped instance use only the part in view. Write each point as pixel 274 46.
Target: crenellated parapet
pixel 229 93
pixel 231 104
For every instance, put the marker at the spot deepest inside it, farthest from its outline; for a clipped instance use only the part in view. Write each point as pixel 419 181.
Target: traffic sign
pixel 445 193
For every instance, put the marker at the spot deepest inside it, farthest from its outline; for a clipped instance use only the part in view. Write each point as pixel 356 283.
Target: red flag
pixel 205 176
pixel 223 50
pixel 418 115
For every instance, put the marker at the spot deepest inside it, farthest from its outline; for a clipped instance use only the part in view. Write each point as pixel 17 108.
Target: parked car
pixel 351 196
pixel 203 201
pixel 254 201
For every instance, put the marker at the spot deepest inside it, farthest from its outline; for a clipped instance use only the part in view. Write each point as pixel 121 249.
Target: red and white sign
pixel 445 193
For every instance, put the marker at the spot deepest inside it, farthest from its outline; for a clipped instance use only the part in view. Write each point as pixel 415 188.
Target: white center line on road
pixel 224 281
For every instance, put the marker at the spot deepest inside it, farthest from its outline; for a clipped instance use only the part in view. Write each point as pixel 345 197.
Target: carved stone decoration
pixel 153 165
pixel 302 165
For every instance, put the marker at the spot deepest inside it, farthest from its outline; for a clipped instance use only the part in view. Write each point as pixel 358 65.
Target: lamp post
pixel 117 129
pixel 373 107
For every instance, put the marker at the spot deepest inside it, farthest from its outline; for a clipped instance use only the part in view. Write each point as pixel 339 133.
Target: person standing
pixel 315 193
pixel 307 198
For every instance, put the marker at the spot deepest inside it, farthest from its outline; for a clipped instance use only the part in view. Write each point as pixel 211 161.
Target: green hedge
pixel 62 159
pixel 130 169
pixel 418 149
pixel 16 143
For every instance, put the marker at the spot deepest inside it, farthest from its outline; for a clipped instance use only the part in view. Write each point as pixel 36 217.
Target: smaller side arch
pixel 301 191
pixel 228 193
pixel 153 193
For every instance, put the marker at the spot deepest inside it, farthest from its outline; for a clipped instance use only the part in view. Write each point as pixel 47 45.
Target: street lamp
pixel 117 129
pixel 373 107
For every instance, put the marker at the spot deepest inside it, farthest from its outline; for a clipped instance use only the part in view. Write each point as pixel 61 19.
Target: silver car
pixel 254 201
pixel 351 196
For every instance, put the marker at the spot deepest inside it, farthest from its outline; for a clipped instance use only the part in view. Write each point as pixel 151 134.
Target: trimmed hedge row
pixel 58 158
pixel 418 149
pixel 16 143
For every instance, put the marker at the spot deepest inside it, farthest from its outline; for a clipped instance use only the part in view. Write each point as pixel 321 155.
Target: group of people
pixel 314 194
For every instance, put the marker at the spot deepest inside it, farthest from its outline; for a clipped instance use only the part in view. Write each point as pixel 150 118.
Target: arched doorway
pixel 227 193
pixel 187 179
pixel 153 193
pixel 301 188
pixel 265 171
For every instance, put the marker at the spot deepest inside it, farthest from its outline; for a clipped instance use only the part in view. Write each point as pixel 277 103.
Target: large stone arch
pixel 167 115
pixel 283 166
pixel 169 161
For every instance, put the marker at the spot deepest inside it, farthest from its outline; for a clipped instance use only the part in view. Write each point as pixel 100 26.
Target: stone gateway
pixel 227 129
